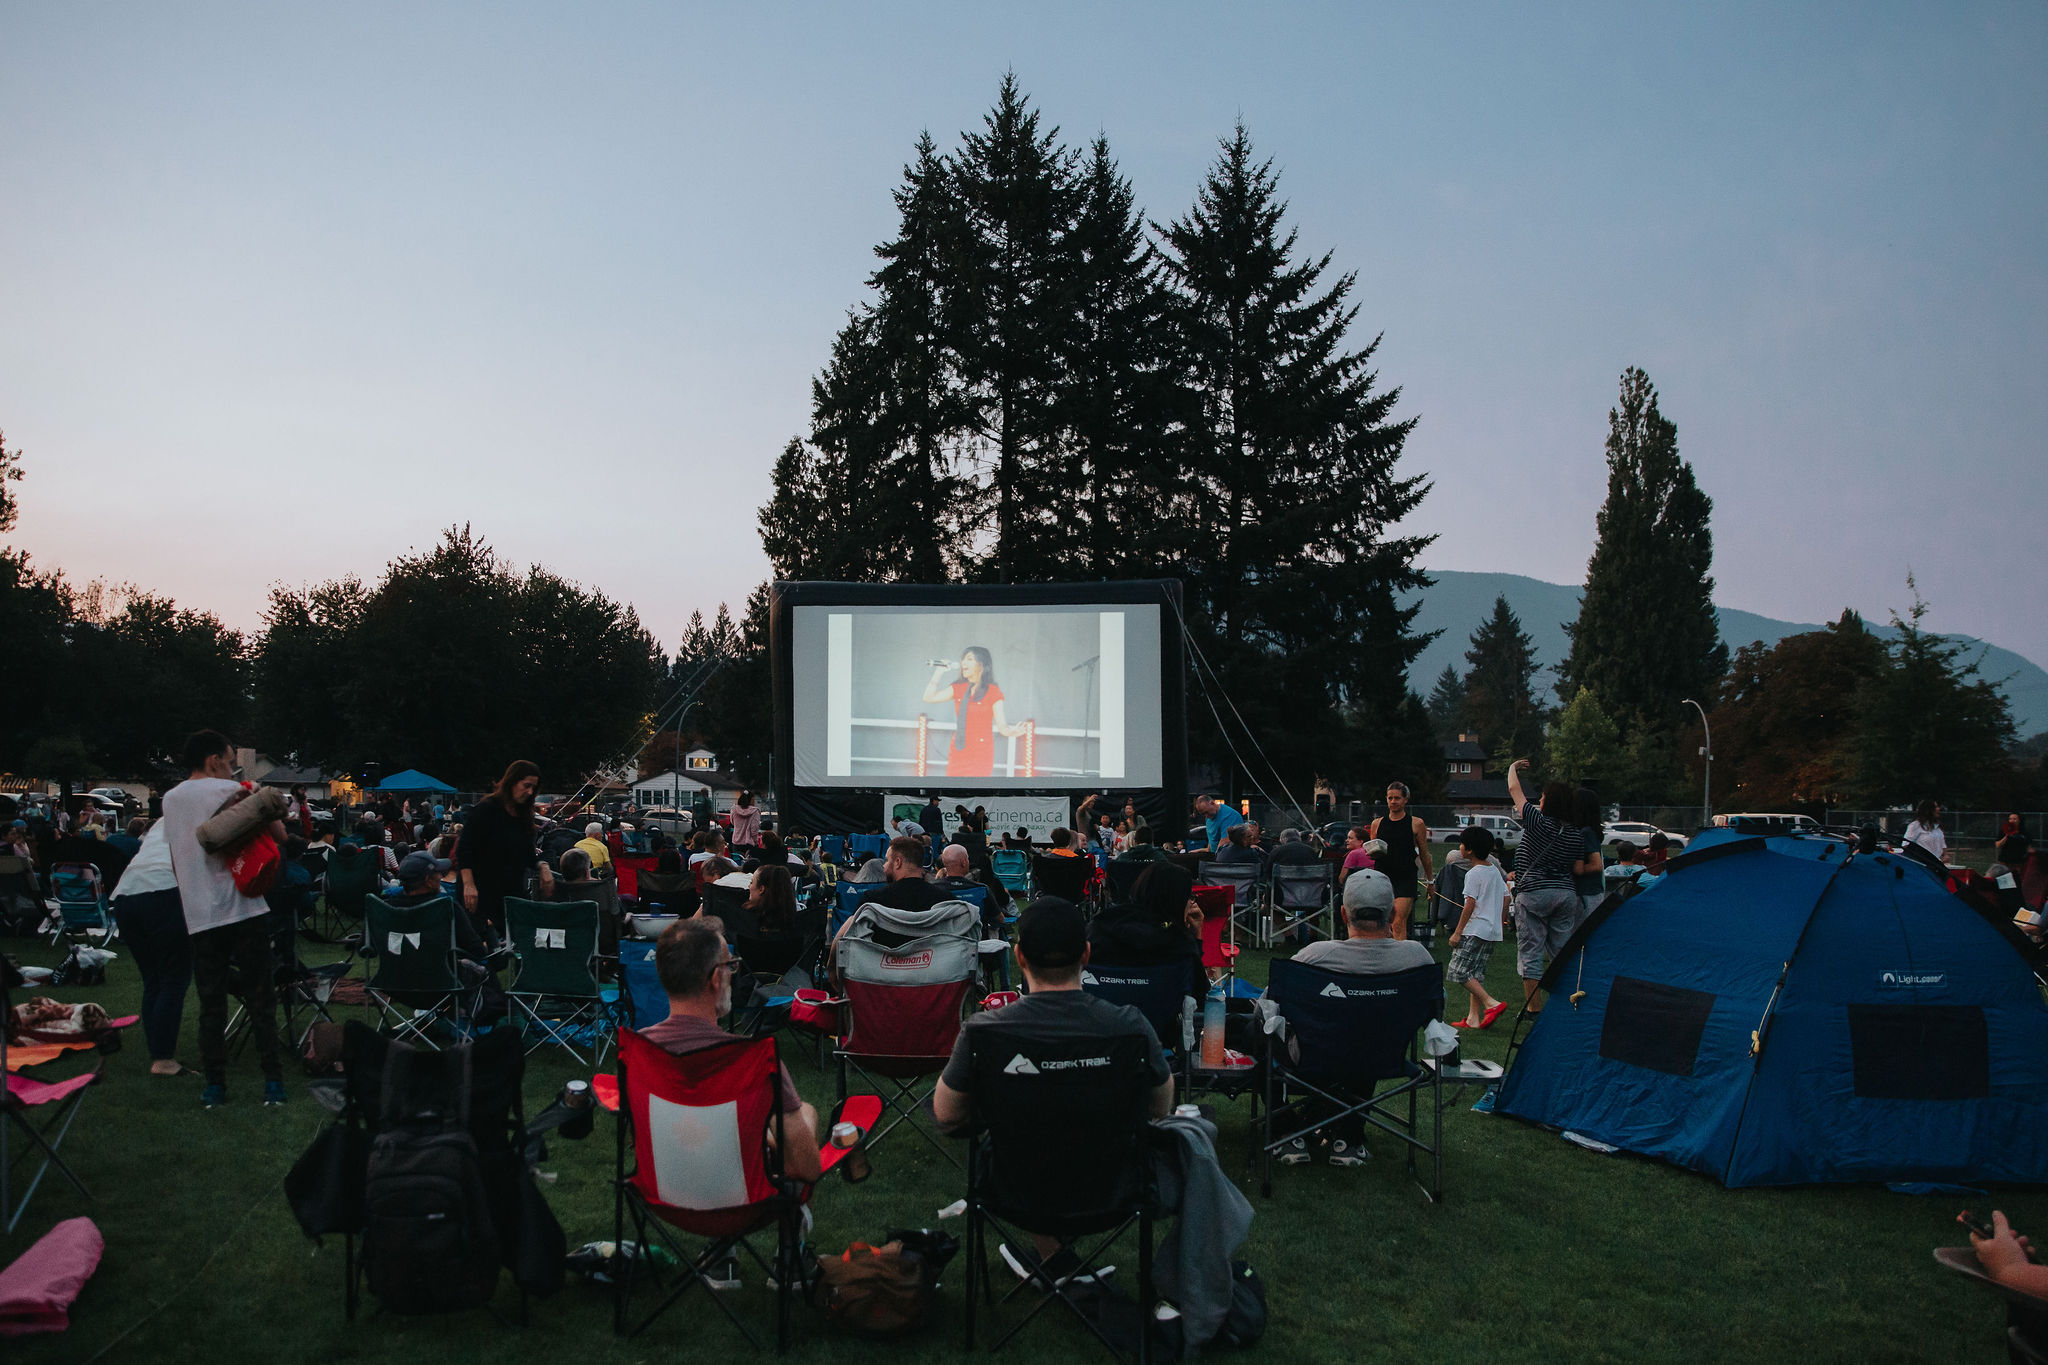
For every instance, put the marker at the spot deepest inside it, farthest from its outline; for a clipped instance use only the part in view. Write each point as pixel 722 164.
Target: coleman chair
pixel 695 1126
pixel 351 875
pixel 82 907
pixel 1011 867
pixel 1062 1149
pixel 554 993
pixel 907 978
pixel 413 981
pixel 1339 1038
pixel 1247 917
pixel 1302 893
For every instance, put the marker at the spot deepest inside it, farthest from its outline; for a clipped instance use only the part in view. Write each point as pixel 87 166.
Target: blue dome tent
pixel 1778 1012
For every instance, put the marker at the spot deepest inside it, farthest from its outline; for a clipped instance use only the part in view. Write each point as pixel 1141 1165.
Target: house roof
pixel 1464 751
pixel 1484 791
pixel 282 776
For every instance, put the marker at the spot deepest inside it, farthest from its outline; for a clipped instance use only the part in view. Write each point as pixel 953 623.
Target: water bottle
pixel 1212 1032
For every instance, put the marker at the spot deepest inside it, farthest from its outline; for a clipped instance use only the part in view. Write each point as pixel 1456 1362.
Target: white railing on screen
pixel 1014 765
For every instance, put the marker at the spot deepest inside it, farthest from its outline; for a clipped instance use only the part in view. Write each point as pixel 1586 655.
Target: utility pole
pixel 1707 753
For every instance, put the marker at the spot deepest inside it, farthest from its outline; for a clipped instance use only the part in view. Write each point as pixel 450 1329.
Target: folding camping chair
pixel 833 848
pixel 1302 892
pixel 861 847
pixel 298 988
pixel 82 907
pixel 907 977
pixel 21 1137
pixel 1122 876
pixel 1012 867
pixel 351 875
pixel 1160 993
pixel 21 900
pixel 1354 1033
pixel 1067 877
pixel 1246 914
pixel 1062 1151
pixel 413 981
pixel 554 994
pixel 849 897
pixel 699 1166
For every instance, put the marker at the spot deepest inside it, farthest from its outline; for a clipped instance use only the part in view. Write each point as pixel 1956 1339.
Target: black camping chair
pixel 1065 877
pixel 1353 1034
pixel 326 1187
pixel 1062 1151
pixel 1302 893
pixel 1122 877
pixel 302 992
pixel 1160 992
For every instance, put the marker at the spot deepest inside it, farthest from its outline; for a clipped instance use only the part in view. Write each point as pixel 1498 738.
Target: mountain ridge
pixel 1460 600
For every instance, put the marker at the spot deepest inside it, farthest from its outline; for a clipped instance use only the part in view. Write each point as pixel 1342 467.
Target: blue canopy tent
pixel 1778 1012
pixel 413 780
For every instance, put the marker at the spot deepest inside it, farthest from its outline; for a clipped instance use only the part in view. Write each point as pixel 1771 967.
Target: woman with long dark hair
pixel 977 712
pixel 497 848
pixel 772 898
pixel 1161 924
pixel 1925 828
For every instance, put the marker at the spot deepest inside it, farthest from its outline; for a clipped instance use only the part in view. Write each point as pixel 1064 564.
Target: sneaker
pixel 213 1097
pixel 1295 1153
pixel 1343 1153
pixel 273 1094
pixel 726 1276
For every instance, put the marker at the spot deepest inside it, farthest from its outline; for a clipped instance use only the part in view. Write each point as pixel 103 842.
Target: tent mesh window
pixel 1652 1025
pixel 1920 1052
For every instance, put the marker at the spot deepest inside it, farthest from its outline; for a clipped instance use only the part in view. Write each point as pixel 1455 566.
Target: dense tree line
pixel 1043 385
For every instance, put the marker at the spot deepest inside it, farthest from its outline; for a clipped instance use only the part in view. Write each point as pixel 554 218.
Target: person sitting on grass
pixel 1369 949
pixel 1052 948
pixel 1479 928
pixel 695 968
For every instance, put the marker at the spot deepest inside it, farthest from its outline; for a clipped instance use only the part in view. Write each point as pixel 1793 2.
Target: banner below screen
pixel 1008 812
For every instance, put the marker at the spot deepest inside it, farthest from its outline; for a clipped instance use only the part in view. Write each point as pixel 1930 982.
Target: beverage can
pixel 1187 1111
pixel 576 1095
pixel 845 1134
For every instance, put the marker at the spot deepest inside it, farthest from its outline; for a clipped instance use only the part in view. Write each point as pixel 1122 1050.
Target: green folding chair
pixel 352 874
pixel 555 993
pixel 413 980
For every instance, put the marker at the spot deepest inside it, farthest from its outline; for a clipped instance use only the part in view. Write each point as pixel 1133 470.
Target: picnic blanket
pixel 27 1054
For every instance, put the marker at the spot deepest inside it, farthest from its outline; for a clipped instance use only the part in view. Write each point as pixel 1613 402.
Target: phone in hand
pixel 1981 1226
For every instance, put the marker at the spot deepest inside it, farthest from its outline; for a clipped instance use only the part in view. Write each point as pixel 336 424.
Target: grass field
pixel 1541 1251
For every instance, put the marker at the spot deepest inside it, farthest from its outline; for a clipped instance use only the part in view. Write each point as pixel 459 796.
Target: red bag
pixel 255 865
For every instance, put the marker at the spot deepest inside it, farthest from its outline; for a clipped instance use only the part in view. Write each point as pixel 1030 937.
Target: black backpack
pixel 429 1243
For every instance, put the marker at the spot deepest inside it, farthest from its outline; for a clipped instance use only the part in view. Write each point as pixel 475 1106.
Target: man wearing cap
pixel 1052 948
pixel 1369 949
pixel 419 881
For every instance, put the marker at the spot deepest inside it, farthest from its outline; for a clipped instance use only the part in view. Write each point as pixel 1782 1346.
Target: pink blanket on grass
pixel 37 1291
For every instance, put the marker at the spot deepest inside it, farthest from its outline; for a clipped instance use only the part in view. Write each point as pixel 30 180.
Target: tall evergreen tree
pixel 1011 311
pixel 1292 569
pixel 1447 705
pixel 1784 717
pixel 1928 724
pixel 1647 635
pixel 1500 706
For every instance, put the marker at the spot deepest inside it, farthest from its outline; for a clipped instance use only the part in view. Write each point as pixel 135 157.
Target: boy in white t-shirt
pixel 1486 899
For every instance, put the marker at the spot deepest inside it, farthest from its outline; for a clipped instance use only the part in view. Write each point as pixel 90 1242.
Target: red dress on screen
pixel 971 752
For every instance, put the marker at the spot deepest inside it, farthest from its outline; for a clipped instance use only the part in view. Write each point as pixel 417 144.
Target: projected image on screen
pixel 1041 696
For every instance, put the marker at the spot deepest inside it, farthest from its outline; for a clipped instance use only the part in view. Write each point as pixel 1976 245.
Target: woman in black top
pixel 1162 924
pixel 497 847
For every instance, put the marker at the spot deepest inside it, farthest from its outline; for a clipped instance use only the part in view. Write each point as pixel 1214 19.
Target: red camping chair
pixel 702 1164
pixel 901 1035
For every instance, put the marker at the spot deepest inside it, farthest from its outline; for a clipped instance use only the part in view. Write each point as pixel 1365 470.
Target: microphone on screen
pixel 942 663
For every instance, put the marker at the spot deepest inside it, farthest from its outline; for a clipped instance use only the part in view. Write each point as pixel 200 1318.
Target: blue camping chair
pixel 1012 867
pixel 646 1001
pixel 848 897
pixel 1159 992
pixel 82 908
pixel 1346 1036
pixel 833 847
pixel 865 846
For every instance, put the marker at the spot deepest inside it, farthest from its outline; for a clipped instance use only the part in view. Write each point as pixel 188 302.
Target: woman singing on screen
pixel 977 713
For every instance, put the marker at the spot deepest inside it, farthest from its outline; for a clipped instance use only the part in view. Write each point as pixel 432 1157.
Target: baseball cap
pixel 1369 896
pixel 1051 933
pixel 418 866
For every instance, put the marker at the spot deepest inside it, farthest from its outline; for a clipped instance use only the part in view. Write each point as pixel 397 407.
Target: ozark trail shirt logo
pixel 1907 980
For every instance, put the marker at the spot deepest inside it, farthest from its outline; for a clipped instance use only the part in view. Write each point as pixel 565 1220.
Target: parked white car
pixel 1637 832
pixel 1506 830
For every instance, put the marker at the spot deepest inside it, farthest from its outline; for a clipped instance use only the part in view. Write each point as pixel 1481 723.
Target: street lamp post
pixel 1707 753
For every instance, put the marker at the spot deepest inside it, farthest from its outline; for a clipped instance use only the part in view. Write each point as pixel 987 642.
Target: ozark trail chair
pixel 1063 1150
pixel 1354 1034
pixel 1302 893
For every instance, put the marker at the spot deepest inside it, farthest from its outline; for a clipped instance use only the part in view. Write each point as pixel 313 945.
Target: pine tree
pixel 1500 706
pixel 1927 723
pixel 1010 311
pixel 1647 635
pixel 1291 454
pixel 1447 705
pixel 1117 399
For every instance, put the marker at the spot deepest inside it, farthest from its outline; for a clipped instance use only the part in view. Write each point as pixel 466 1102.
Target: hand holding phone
pixel 1979 1225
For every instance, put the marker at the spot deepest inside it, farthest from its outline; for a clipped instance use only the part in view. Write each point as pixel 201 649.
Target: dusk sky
pixel 284 290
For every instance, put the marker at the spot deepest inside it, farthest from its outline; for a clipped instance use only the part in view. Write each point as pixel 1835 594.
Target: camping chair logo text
pixel 1907 980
